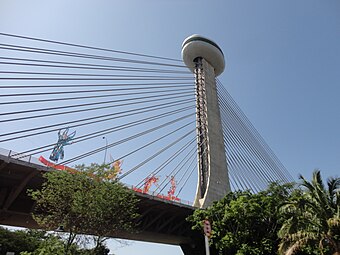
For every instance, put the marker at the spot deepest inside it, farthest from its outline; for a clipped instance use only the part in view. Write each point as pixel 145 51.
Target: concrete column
pixel 213 179
pixel 205 58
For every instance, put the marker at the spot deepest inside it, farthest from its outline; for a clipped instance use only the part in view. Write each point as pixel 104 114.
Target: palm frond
pixel 317 180
pixel 305 236
pixel 283 246
pixel 318 196
pixel 310 188
pixel 295 247
pixel 320 191
pixel 333 189
pixel 288 227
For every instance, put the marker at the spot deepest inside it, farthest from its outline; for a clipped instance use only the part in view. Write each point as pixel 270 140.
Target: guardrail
pixel 33 160
pixel 167 198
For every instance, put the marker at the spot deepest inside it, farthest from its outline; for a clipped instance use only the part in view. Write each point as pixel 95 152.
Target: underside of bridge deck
pixel 160 221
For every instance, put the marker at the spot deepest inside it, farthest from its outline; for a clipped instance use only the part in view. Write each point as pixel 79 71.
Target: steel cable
pixel 87 47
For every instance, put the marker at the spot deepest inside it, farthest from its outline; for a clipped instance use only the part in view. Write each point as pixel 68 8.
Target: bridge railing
pixel 33 160
pixel 15 155
pixel 171 199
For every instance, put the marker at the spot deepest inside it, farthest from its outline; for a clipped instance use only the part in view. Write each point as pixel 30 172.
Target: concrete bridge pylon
pixel 206 60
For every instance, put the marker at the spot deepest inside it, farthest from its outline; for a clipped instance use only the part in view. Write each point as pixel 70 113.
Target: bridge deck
pixel 161 221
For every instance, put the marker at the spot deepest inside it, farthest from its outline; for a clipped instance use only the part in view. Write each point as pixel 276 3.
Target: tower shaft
pixel 213 180
pixel 205 58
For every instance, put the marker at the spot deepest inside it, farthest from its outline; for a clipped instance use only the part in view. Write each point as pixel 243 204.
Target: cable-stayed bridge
pixel 147 113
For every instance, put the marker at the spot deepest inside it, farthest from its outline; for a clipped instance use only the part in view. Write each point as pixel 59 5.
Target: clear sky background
pixel 283 61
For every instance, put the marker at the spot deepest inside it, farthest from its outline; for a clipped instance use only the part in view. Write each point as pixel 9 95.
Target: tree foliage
pixel 313 218
pixel 17 241
pixel 245 223
pixel 52 245
pixel 284 219
pixel 84 202
pixel 38 242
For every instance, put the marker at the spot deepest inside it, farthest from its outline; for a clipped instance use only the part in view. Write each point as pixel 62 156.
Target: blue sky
pixel 283 61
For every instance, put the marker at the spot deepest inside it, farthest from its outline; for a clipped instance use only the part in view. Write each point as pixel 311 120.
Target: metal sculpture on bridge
pixel 172 190
pixel 63 139
pixel 56 166
pixel 114 170
pixel 148 183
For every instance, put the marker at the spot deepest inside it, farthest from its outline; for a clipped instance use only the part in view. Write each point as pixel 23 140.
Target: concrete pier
pixel 206 60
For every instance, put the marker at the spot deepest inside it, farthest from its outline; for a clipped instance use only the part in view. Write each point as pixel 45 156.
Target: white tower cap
pixel 198 46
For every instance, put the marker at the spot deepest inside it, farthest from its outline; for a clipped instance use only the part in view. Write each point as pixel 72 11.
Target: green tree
pixel 84 201
pixel 30 242
pixel 38 242
pixel 20 240
pixel 51 245
pixel 312 218
pixel 54 245
pixel 245 223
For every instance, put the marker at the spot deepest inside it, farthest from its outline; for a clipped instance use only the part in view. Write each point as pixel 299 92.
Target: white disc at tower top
pixel 198 46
